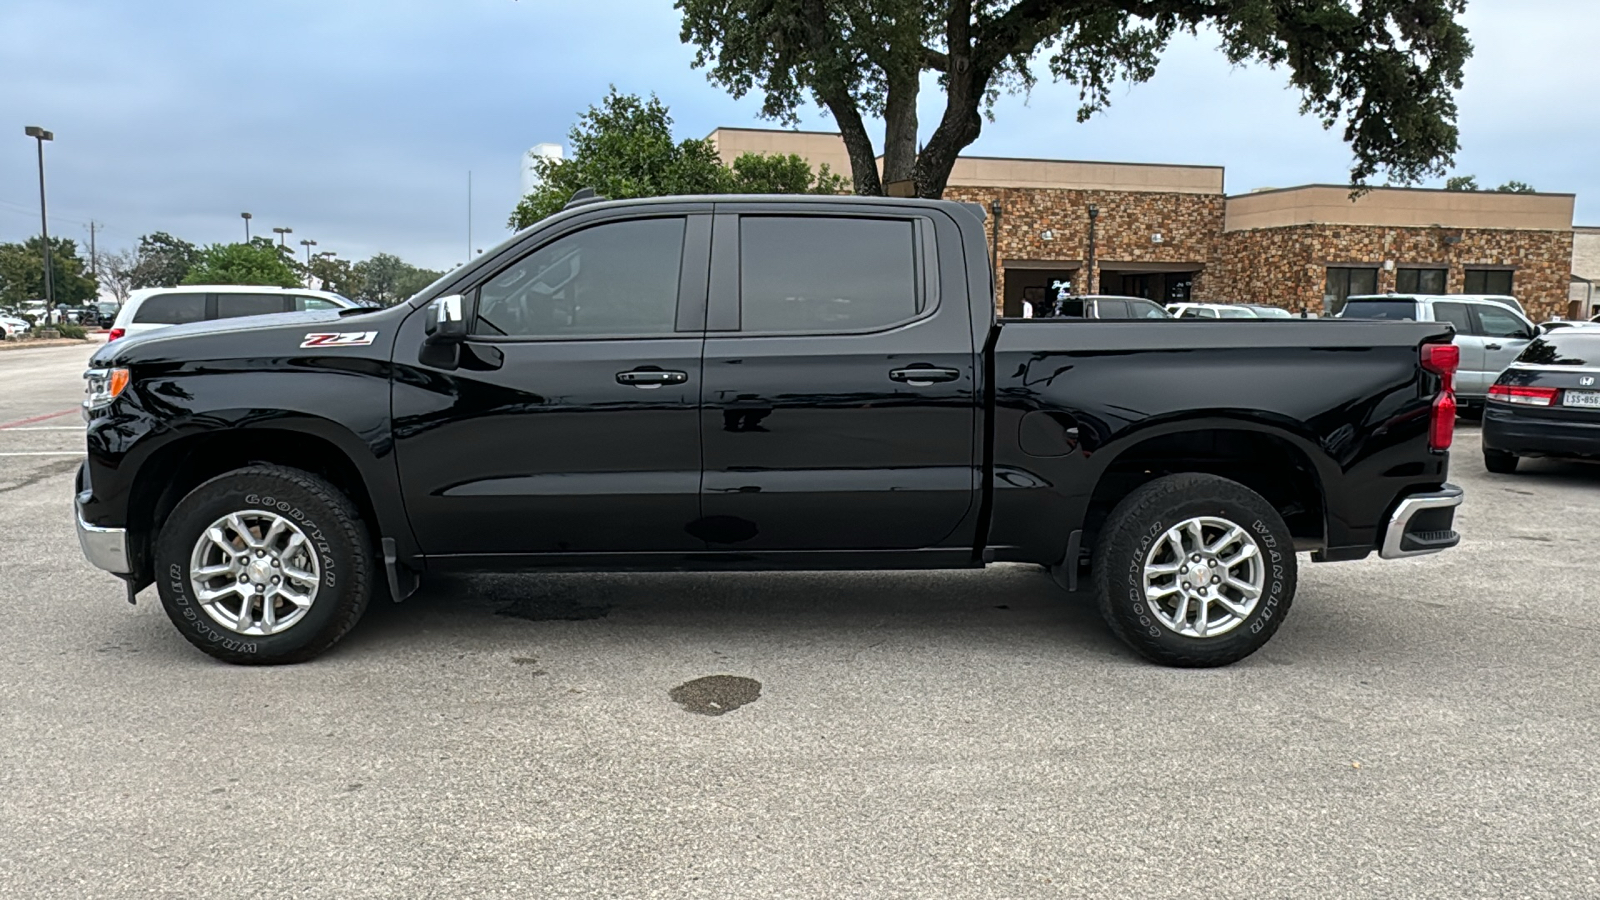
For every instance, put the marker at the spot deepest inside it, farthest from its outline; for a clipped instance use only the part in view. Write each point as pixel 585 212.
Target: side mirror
pixel 446 323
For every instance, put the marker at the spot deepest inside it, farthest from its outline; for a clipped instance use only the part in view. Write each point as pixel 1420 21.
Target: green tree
pixel 1461 183
pixel 1387 68
pixel 162 261
pixel 22 272
pixel 1516 187
pixel 387 279
pixel 330 273
pixel 624 148
pixel 258 262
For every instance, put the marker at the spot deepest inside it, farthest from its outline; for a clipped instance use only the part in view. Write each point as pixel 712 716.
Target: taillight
pixel 115 333
pixel 1442 360
pixel 1525 396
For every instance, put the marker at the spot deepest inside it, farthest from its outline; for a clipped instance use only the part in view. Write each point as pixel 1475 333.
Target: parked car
pixel 149 309
pixel 1547 403
pixel 1105 306
pixel 1489 333
pixel 1210 311
pixel 1270 312
pixel 14 326
pixel 754 383
pixel 106 313
pixel 1557 324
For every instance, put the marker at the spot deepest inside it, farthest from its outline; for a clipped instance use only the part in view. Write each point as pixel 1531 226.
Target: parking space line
pixel 33 419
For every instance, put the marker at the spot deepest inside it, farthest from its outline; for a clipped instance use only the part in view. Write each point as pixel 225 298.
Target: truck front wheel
pixel 264 565
pixel 1194 570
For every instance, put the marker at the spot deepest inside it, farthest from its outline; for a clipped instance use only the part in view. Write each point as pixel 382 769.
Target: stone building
pixel 1172 233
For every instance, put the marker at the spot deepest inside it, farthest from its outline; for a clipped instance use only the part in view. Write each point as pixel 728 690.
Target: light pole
pixel 283 235
pixel 308 244
pixel 246 217
pixel 40 135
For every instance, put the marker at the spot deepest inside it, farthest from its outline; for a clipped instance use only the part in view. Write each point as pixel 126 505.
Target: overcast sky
pixel 356 122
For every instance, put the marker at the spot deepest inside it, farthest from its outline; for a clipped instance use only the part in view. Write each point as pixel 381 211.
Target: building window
pixel 1420 281
pixel 1348 281
pixel 1488 281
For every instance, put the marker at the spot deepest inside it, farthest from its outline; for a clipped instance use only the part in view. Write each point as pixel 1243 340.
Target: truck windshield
pixel 1405 310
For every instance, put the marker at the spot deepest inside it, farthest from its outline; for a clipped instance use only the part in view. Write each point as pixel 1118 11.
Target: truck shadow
pixel 1007 604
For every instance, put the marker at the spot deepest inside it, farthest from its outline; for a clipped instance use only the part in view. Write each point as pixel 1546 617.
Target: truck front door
pixel 839 409
pixel 570 423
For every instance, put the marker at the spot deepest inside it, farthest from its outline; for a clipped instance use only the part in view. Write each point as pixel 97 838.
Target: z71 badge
pixel 340 339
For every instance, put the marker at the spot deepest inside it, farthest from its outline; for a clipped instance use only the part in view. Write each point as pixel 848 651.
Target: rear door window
pixel 826 274
pixel 1400 310
pixel 171 309
pixel 1111 309
pixel 234 306
pixel 1144 309
pixel 301 304
pixel 1454 313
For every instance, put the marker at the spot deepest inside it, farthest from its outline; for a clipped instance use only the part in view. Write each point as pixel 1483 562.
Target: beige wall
pixel 815 147
pixel 1586 252
pixel 1399 208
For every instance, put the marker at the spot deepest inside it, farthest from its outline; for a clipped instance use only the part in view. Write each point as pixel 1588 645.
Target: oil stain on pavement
pixel 715 695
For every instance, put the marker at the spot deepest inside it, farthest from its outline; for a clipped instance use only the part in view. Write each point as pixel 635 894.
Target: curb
pixel 61 342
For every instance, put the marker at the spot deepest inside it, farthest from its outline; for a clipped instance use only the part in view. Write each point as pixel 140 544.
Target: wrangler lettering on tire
pixel 264 564
pixel 1202 568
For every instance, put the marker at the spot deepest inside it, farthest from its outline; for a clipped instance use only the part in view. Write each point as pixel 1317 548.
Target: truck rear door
pixel 839 405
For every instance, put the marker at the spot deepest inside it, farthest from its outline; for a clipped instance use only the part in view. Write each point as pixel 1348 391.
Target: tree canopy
pixel 258 262
pixel 386 279
pixel 161 261
pixel 624 148
pixel 22 272
pixel 1387 69
pixel 1470 183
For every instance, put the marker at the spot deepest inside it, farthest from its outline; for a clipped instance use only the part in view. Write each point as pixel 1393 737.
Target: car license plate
pixel 1586 399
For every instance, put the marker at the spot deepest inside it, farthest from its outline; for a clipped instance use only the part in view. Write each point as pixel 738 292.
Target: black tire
pixel 1131 534
pixel 329 522
pixel 1500 462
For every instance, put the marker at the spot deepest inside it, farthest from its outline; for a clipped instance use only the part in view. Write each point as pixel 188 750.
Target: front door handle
pixel 1492 347
pixel 649 379
pixel 922 376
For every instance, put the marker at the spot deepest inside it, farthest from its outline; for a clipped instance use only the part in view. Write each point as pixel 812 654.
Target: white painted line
pixel 42 453
pixel 47 428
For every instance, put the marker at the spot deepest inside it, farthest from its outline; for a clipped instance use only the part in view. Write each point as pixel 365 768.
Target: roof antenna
pixel 582 196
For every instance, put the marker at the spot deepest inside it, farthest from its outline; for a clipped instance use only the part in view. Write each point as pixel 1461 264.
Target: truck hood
pixel 247 336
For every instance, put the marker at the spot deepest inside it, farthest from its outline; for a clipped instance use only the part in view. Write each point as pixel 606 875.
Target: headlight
pixel 101 386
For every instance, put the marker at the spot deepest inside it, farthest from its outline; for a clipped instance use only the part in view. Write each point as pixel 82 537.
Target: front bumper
pixel 1421 524
pixel 105 548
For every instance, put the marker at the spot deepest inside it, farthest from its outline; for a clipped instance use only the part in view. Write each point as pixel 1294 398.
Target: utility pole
pixel 94 258
pixel 41 135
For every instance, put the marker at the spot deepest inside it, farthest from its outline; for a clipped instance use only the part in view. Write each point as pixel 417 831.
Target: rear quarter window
pixel 1398 310
pixel 171 309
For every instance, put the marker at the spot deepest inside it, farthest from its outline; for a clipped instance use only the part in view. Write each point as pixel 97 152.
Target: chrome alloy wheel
pixel 254 572
pixel 1203 577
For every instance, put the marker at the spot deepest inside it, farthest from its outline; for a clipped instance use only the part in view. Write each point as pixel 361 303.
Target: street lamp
pixel 246 217
pixel 40 135
pixel 283 234
pixel 308 244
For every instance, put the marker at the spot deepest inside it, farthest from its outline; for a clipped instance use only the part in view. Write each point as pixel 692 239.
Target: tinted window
pixel 171 309
pixel 826 274
pixel 615 278
pixel 1494 321
pixel 1111 309
pixel 1144 309
pixel 1455 314
pixel 301 304
pixel 1565 348
pixel 232 306
pixel 1488 281
pixel 1070 308
pixel 1195 312
pixel 1380 309
pixel 1420 281
pixel 1236 312
pixel 1345 281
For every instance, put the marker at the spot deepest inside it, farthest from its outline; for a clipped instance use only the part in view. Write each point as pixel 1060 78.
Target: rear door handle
pixel 648 379
pixel 922 376
pixel 1492 347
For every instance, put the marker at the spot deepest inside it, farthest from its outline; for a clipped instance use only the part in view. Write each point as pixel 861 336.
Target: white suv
pixel 148 309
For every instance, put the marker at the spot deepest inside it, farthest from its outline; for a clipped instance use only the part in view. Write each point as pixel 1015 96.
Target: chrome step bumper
pixel 1422 524
pixel 105 548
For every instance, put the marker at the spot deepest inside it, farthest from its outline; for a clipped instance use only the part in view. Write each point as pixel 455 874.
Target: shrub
pixel 69 330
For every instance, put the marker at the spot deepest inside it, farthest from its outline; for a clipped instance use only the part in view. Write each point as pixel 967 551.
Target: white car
pixel 1210 311
pixel 12 326
pixel 149 309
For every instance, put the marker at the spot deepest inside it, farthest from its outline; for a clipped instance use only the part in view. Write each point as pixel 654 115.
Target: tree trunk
pixel 961 122
pixel 863 162
pixel 900 127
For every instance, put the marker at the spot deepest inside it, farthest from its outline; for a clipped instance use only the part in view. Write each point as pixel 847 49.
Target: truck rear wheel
pixel 264 565
pixel 1194 570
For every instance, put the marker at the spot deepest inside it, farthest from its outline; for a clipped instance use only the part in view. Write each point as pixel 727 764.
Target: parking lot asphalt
pixel 1419 728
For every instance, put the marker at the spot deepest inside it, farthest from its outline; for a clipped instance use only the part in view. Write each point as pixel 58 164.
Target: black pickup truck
pixel 712 383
